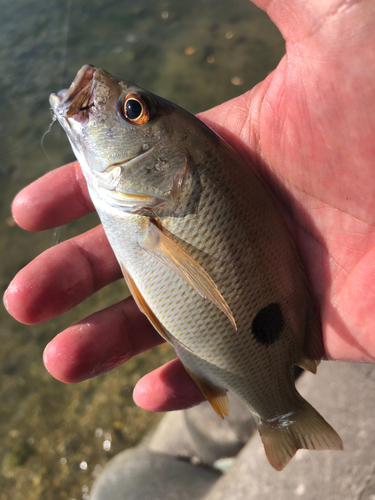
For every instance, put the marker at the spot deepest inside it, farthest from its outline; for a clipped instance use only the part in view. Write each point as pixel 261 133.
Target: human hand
pixel 308 131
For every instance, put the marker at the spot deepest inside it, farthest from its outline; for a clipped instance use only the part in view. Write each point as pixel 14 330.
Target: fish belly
pixel 204 339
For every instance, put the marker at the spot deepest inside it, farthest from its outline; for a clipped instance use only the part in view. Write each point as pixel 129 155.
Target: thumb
pixel 298 19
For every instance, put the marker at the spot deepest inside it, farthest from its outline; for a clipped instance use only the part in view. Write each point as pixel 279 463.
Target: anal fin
pixel 216 396
pixel 142 304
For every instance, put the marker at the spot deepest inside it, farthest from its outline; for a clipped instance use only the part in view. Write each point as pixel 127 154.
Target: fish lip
pixel 68 103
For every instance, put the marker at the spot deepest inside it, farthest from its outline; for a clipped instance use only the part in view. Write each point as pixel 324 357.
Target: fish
pixel 205 253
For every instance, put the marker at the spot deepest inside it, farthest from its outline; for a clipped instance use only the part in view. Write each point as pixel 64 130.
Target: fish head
pixel 130 143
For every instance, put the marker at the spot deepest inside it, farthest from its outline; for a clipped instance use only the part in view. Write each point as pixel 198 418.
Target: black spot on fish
pixel 267 324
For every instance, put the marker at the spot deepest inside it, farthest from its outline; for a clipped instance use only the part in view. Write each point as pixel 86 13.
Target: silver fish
pixel 205 252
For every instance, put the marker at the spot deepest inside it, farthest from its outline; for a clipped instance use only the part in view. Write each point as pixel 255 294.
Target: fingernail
pixel 5 300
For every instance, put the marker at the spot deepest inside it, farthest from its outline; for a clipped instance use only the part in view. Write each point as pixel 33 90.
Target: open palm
pixel 309 132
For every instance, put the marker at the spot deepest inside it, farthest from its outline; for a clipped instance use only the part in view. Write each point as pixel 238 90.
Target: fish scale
pixel 205 252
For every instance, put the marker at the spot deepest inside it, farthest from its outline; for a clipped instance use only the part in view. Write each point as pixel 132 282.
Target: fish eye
pixel 135 109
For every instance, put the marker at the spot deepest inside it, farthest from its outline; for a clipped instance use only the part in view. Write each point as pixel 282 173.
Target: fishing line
pixel 65 46
pixel 56 235
pixel 64 52
pixel 42 139
pixel 57 231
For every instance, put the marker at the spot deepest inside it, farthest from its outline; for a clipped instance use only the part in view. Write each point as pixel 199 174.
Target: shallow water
pixel 55 438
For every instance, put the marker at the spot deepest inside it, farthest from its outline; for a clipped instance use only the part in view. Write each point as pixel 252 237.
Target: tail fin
pixel 304 429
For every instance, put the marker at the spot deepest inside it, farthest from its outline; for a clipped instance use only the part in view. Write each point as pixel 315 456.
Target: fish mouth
pixel 78 99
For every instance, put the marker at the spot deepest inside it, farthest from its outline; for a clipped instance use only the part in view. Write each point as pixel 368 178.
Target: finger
pixel 100 342
pixel 168 388
pixel 57 198
pixel 62 277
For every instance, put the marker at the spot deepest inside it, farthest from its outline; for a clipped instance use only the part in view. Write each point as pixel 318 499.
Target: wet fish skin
pixel 205 252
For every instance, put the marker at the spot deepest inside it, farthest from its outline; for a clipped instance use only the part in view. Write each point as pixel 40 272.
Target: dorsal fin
pixel 313 349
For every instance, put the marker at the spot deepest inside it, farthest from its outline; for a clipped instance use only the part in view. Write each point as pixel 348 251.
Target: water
pixel 55 438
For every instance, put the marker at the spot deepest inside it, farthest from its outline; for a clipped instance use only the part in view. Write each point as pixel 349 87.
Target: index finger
pixel 57 198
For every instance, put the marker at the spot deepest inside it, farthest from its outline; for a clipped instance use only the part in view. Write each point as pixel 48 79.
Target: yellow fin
pixel 313 348
pixel 163 248
pixel 304 429
pixel 308 364
pixel 142 304
pixel 216 396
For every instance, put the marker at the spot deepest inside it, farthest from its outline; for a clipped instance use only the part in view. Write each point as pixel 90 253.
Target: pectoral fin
pixel 163 248
pixel 142 304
